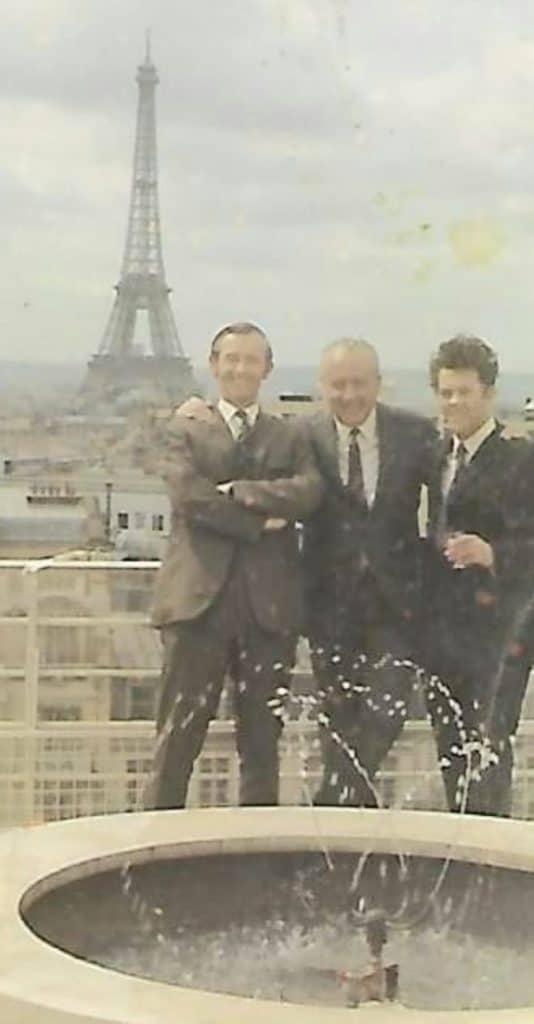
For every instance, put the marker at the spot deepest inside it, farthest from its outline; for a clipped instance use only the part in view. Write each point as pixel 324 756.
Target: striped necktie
pixel 241 425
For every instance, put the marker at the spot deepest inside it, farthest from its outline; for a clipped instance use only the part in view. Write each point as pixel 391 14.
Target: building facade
pixel 79 668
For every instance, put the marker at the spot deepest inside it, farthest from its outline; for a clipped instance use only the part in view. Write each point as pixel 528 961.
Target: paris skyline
pixel 323 169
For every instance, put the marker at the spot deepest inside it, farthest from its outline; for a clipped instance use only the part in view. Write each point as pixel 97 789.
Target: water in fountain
pixel 279 959
pixel 283 925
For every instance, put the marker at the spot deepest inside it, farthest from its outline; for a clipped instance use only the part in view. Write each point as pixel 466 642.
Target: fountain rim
pixel 36 978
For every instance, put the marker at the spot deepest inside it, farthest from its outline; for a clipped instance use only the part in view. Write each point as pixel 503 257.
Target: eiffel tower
pixel 120 372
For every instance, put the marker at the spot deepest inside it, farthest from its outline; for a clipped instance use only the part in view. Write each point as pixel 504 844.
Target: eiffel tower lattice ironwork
pixel 119 366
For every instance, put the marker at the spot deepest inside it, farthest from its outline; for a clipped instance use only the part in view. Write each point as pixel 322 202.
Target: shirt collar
pixel 367 429
pixel 227 411
pixel 473 443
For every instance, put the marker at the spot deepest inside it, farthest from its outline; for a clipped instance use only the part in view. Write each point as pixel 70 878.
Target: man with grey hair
pixel 361 554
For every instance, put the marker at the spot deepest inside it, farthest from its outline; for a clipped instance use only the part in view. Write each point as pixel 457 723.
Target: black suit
pixel 470 616
pixel 363 590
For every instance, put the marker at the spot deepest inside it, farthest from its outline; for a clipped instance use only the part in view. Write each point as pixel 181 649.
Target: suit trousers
pixel 464 705
pixel 365 704
pixel 197 655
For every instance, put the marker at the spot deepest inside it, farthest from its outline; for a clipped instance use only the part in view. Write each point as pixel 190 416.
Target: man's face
pixel 465 403
pixel 350 383
pixel 240 366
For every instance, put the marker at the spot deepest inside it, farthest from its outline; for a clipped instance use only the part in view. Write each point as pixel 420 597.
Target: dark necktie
pixel 448 496
pixel 459 472
pixel 355 475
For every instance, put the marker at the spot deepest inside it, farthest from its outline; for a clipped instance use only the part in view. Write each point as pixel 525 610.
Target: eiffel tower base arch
pixel 133 380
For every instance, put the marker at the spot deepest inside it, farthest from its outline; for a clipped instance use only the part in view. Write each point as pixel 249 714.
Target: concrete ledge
pixel 42 985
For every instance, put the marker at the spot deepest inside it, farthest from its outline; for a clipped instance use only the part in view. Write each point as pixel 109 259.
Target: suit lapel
pixel 261 429
pixel 326 434
pixel 440 465
pixel 436 507
pixel 258 430
pixel 387 451
pixel 218 421
pixel 227 457
pixel 477 467
pixel 257 441
pixel 475 471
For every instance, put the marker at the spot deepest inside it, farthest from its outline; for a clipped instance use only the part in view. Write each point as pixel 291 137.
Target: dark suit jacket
pixel 341 535
pixel 210 530
pixel 495 499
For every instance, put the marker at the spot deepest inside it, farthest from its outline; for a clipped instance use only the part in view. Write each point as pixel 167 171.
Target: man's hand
pixel 272 524
pixel 513 430
pixel 464 549
pixel 194 408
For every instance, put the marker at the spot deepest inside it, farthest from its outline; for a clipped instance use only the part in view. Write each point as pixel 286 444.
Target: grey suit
pixel 363 588
pixel 228 597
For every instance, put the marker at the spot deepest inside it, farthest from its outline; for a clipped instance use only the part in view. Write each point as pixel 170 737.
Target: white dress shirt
pixel 369 454
pixel 471 445
pixel 229 413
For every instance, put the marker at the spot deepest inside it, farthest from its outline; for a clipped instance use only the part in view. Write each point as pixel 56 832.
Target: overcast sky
pixel 327 167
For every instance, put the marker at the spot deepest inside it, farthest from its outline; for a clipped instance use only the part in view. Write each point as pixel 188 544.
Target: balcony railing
pixel 79 665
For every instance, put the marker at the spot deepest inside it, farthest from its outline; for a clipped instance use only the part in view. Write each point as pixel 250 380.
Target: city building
pixel 79 666
pixel 47 508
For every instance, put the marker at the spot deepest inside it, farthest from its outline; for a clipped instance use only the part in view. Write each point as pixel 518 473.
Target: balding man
pixel 361 552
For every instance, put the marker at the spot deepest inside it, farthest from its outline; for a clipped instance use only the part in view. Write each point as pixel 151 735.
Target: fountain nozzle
pixel 379 983
pixel 376 932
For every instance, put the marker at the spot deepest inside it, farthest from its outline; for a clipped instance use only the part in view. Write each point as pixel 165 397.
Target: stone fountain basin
pixel 41 984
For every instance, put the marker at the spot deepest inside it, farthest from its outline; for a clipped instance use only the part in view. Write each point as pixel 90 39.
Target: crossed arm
pixel 196 499
pixel 253 507
pixel 290 498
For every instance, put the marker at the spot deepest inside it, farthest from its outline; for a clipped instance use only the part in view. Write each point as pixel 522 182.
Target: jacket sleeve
pixel 293 497
pixel 430 451
pixel 514 552
pixel 196 499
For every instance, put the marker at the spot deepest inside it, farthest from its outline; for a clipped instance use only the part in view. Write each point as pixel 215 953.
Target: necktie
pixel 447 497
pixel 241 425
pixel 355 475
pixel 242 454
pixel 461 464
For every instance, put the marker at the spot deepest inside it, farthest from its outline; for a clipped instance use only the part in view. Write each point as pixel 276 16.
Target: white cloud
pixel 313 157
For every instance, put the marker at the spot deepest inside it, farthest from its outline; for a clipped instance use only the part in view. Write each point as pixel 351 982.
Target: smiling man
pixel 362 559
pixel 479 575
pixel 228 594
